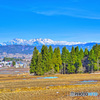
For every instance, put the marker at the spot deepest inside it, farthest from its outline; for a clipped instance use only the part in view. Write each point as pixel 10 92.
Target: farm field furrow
pixel 26 87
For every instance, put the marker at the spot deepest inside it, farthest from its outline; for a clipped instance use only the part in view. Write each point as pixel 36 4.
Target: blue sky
pixel 65 20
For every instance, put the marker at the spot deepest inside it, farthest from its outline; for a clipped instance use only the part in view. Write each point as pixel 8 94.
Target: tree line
pixel 50 61
pixel 11 59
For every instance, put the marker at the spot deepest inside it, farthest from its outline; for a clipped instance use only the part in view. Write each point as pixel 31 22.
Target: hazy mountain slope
pixel 28 49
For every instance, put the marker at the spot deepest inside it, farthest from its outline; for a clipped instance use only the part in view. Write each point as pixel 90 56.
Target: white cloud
pixel 70 12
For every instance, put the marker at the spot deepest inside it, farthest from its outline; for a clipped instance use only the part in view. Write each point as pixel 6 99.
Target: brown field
pixel 26 87
pixel 13 71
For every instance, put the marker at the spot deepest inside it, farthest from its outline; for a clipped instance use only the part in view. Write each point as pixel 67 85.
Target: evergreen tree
pixel 54 61
pixel 80 68
pixel 72 60
pixel 49 62
pixel 77 51
pixel 71 69
pixel 34 61
pixel 57 68
pixel 58 55
pixel 98 58
pixel 95 67
pixel 73 56
pixel 57 58
pixel 65 58
pixel 91 60
pixel 39 70
pixel 86 52
pixel 81 53
pixel 50 50
pixel 13 63
pixel 96 49
pixel 44 52
pixel 55 51
pixel 65 55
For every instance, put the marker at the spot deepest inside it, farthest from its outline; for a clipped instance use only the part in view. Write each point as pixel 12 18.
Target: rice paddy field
pixel 51 87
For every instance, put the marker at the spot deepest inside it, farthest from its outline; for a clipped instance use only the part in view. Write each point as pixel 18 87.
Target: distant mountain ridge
pixel 22 46
pixel 38 42
pixel 28 49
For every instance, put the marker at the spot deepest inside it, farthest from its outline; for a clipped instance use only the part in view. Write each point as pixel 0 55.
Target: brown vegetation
pixel 25 87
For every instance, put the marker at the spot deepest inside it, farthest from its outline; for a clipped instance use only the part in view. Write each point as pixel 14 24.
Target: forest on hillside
pixel 50 61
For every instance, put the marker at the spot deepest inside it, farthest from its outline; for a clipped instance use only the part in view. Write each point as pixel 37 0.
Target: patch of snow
pixel 36 42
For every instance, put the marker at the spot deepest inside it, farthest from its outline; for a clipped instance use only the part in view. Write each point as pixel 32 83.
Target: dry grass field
pixel 26 87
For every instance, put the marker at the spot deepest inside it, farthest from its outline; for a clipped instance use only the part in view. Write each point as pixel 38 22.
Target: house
pixel 6 63
pixel 19 64
pixel 0 66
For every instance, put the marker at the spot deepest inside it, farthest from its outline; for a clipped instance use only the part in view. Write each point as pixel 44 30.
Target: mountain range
pixel 38 42
pixel 26 46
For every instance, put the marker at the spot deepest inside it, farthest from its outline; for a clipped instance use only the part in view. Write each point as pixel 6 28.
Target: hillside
pixel 28 49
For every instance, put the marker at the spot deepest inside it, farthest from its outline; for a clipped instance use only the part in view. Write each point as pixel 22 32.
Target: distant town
pixel 24 57
pixel 14 63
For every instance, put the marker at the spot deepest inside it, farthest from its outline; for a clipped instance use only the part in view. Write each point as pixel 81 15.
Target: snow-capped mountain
pixel 27 46
pixel 38 42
